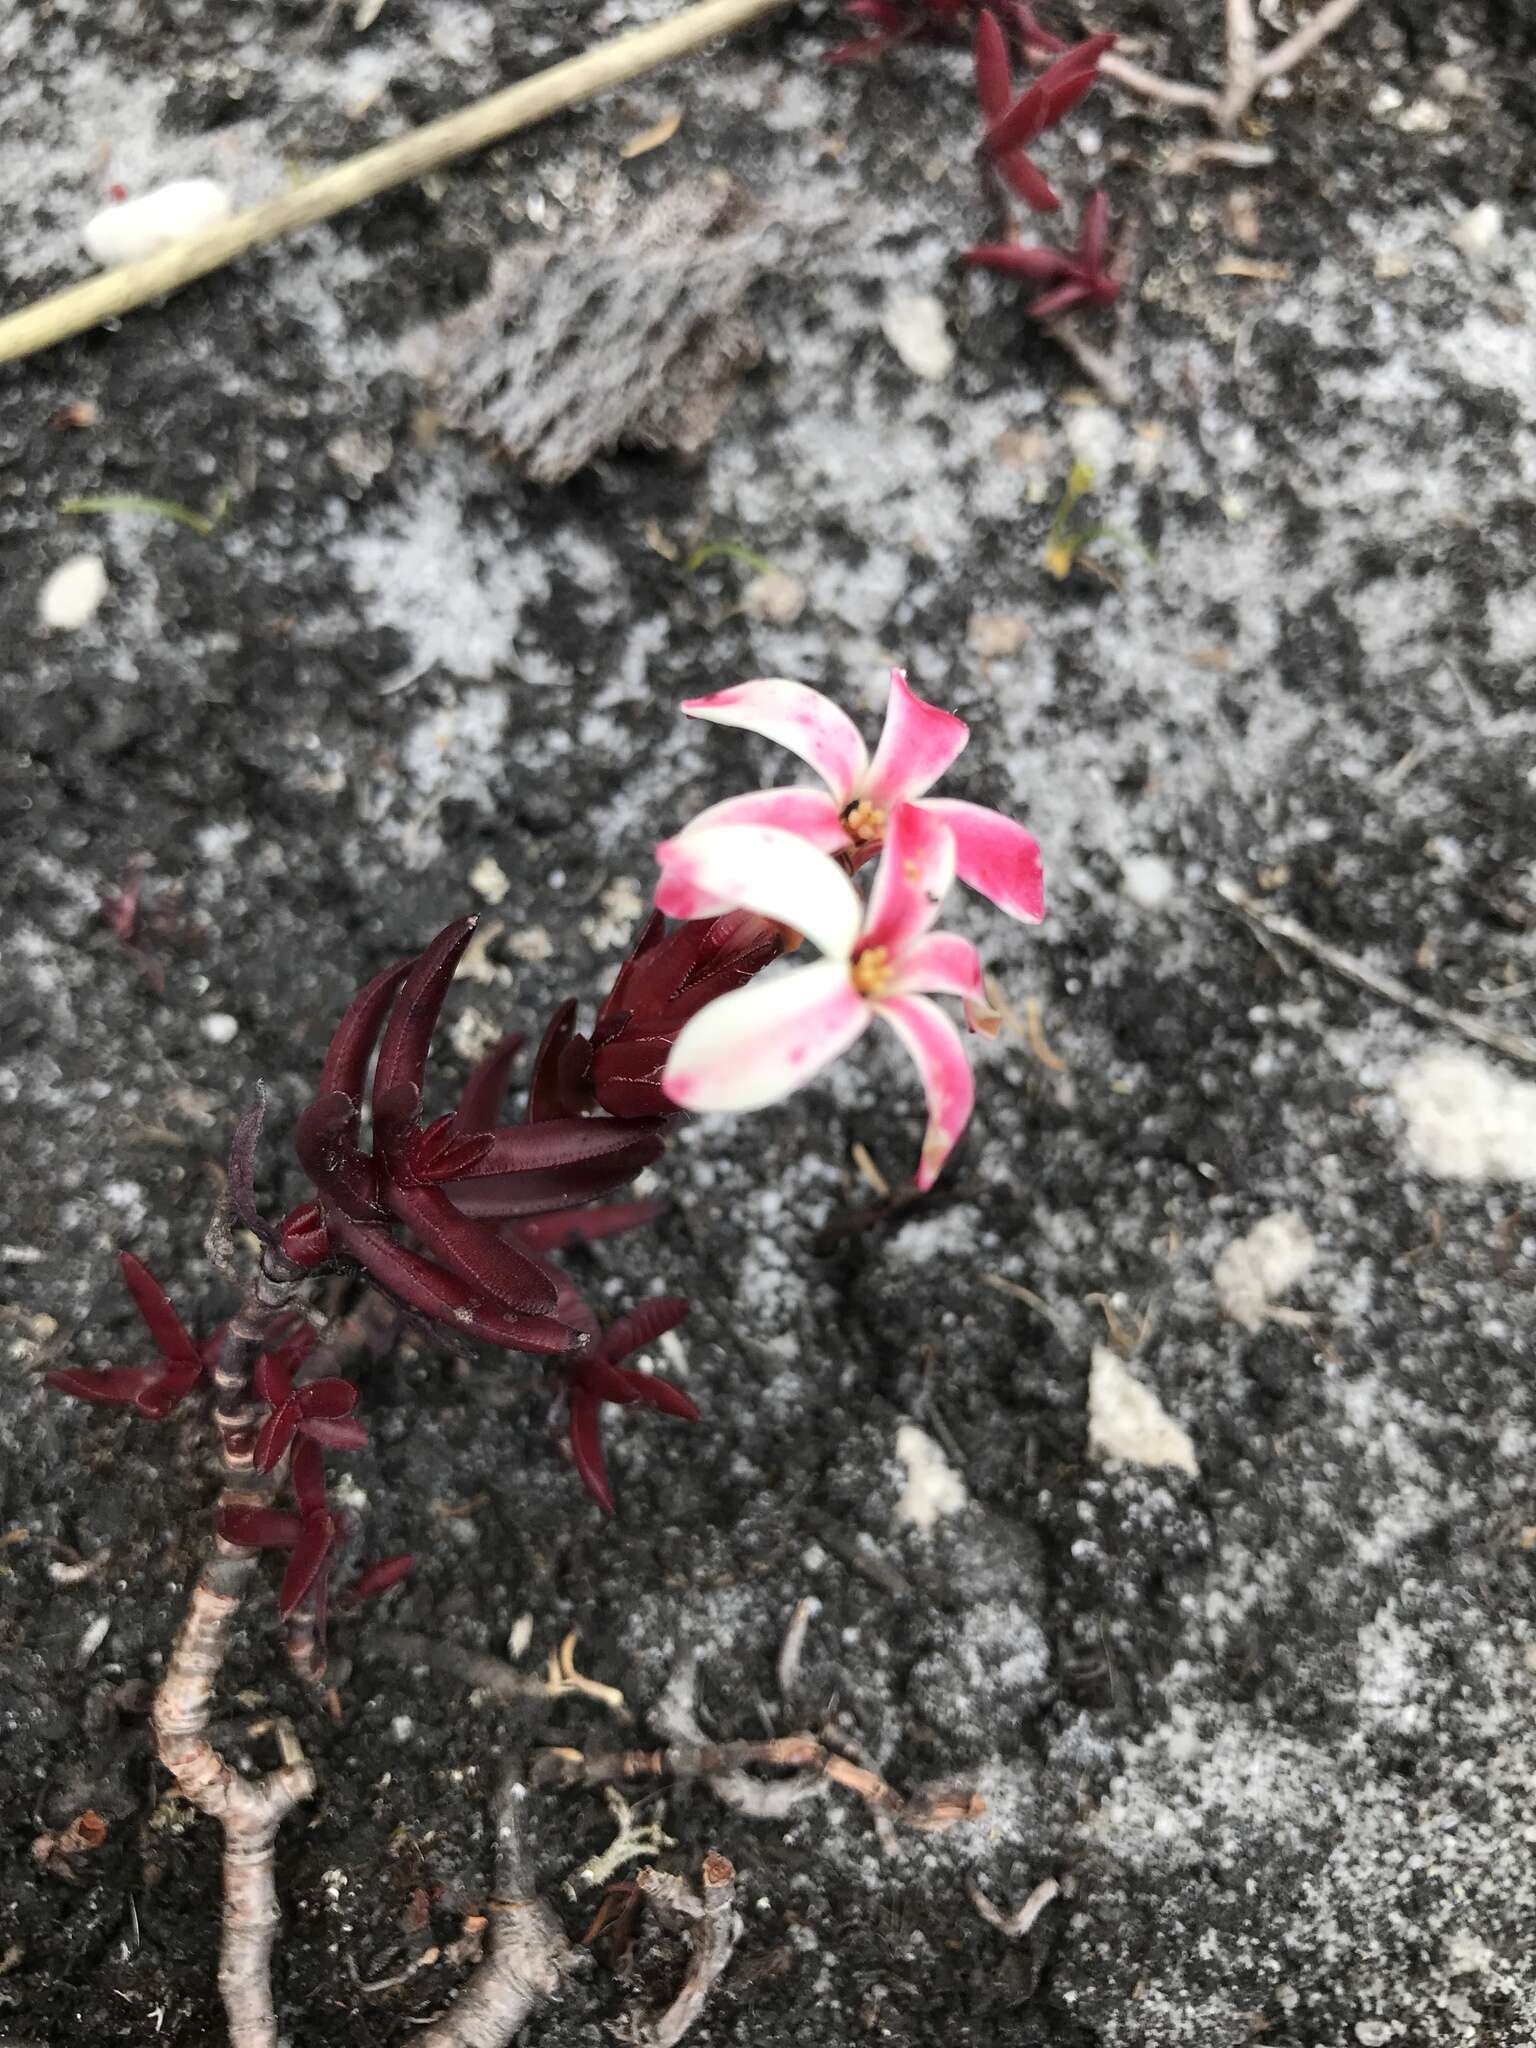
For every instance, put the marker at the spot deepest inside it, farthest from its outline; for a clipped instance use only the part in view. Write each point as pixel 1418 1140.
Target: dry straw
pixel 579 79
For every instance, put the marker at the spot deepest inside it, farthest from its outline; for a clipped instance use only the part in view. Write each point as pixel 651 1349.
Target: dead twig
pixel 793 1646
pixel 527 1957
pixel 1387 986
pixel 714 1928
pixel 491 1675
pixel 411 156
pixel 1247 70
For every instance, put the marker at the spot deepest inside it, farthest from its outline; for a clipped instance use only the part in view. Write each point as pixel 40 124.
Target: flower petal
pixel 994 856
pixel 808 813
pixel 757 867
pixel 942 964
pixel 793 715
pixel 917 744
pixel 939 1055
pixel 912 880
pixel 761 1043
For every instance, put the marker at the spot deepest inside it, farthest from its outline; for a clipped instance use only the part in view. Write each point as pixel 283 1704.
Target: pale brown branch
pixel 724 1764
pixel 714 1928
pixel 250 1812
pixel 1247 72
pixel 363 177
pixel 527 1956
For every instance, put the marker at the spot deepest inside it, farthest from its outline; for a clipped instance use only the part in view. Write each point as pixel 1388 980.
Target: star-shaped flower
pixel 881 960
pixel 918 743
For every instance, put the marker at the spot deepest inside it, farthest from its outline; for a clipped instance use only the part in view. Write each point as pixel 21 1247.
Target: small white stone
pixel 933 1487
pixel 520 1637
pixel 1255 1270
pixel 143 226
pixel 488 879
pixel 1373 2033
pixel 1148 881
pixel 1385 100
pixel 1479 230
pixel 73 593
pixel 219 1027
pixel 1466 1118
pixel 1424 117
pixel 913 323
pixel 1454 80
pixel 402 1727
pixel 775 597
pixel 1126 1419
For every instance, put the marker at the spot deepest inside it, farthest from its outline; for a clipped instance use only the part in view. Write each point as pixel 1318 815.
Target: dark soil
pixel 1272 1722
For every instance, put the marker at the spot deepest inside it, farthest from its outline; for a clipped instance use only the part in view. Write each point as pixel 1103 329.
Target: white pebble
pixel 219 1027
pixel 73 593
pixel 401 1727
pixel 143 226
pixel 934 1488
pixel 1480 230
pixel 1148 881
pixel 913 323
pixel 1126 1419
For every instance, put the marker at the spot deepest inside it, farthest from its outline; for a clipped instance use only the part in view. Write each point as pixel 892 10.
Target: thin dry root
pixel 527 1957
pixel 1247 72
pixel 249 1813
pixel 725 1763
pixel 491 1675
pixel 714 1928
pixel 1014 1925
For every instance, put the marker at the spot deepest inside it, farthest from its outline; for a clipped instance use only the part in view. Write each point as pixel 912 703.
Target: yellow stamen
pixel 864 822
pixel 873 972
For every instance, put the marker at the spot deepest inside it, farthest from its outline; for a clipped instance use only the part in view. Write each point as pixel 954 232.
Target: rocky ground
pixel 1264 1709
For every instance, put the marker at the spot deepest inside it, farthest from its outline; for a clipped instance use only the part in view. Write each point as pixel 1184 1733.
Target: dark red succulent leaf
pixel 1048 98
pixel 419 1284
pixel 497 1271
pixel 561 1229
pixel 441 1153
pixel 306 1478
pixel 352 1042
pixel 1081 278
pixel 642 1326
pixel 587 1446
pixel 485 1092
pixel 379 1578
pixel 617 999
pixel 115 1386
pixel 260 1528
pixel 307 1561
pixel 159 1318
pixel 593 1380
pixel 336 1433
pixel 545 1096
pixel 325 1139
pixel 302 1236
pixel 407 1036
pixel 627 1076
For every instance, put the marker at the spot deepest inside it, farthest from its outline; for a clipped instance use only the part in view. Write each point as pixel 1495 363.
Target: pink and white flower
pixel 918 743
pixel 880 959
